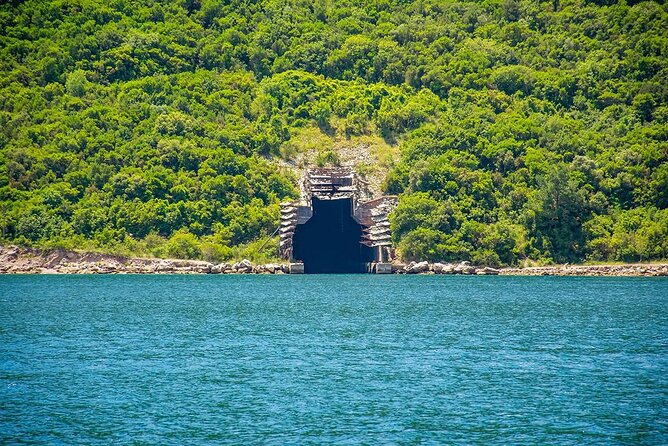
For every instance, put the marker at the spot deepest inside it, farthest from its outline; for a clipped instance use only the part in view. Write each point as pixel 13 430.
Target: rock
pixel 163 267
pixel 272 268
pixel 218 269
pixel 12 254
pixel 20 260
pixel 442 268
pixel 464 268
pixel 422 267
pixel 417 268
pixel 448 268
pixel 488 271
pixel 203 268
pixel 263 269
pixel 437 268
pixel 398 268
pixel 245 266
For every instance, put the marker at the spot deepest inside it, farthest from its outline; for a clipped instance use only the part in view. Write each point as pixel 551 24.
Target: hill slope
pixel 526 130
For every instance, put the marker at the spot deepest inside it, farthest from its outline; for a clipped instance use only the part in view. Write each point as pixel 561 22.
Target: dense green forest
pixel 527 130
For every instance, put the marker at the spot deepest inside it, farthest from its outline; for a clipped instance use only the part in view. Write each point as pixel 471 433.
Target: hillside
pixel 513 131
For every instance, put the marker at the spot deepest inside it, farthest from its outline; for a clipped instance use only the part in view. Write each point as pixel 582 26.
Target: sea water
pixel 333 359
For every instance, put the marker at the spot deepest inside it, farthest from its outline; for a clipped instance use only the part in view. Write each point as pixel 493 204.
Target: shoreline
pixel 23 260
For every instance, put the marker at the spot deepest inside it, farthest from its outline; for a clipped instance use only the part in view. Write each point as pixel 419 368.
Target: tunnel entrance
pixel 329 242
pixel 337 225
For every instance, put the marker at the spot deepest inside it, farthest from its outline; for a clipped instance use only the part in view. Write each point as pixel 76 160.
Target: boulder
pixel 488 271
pixel 271 267
pixel 399 268
pixel 422 266
pixel 245 266
pixel 437 268
pixel 262 269
pixel 202 268
pixel 464 268
pixel 448 268
pixel 417 268
pixel 218 269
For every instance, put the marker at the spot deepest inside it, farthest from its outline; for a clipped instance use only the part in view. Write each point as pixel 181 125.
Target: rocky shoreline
pixel 22 260
pixel 465 268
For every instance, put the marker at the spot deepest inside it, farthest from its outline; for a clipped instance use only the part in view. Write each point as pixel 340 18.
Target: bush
pixel 328 158
pixel 216 253
pixel 184 245
pixel 432 245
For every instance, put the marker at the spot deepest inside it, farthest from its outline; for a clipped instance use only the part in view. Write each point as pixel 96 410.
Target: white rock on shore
pixel 465 268
pixel 21 260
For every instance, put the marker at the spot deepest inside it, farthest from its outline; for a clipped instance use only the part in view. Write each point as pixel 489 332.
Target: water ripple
pixel 333 360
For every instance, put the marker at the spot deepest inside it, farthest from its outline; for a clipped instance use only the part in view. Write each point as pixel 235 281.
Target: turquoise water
pixel 343 359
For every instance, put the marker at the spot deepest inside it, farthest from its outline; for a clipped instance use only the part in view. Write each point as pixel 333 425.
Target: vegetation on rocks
pixel 527 130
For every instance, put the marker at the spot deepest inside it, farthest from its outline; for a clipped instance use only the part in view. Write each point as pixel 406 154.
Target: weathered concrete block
pixel 296 268
pixel 383 268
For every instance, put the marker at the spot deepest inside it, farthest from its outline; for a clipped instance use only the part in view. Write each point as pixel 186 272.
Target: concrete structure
pixel 383 268
pixel 296 268
pixel 337 225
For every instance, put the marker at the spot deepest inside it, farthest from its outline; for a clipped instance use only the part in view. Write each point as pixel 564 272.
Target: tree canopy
pixel 528 130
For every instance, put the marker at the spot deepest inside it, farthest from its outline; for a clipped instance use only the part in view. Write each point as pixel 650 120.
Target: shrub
pixel 184 245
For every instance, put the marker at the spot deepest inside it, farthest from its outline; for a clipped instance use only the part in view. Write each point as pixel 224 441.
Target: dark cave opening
pixel 330 241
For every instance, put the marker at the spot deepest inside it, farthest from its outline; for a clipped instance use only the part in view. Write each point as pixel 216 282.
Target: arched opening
pixel 330 241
